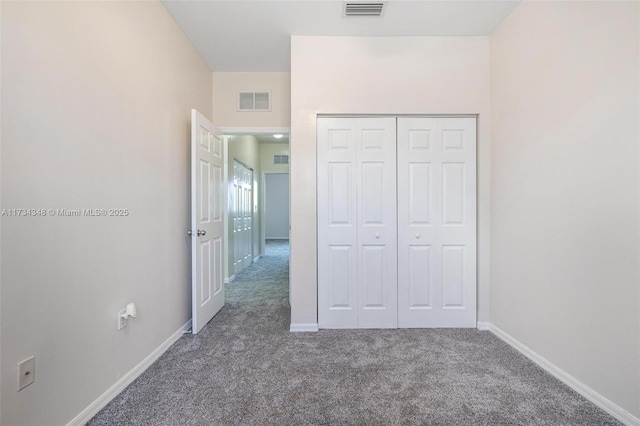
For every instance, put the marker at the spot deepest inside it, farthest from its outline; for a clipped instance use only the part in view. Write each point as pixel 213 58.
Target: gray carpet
pixel 246 368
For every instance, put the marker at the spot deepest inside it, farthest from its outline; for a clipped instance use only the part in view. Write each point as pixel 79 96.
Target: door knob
pixel 417 235
pixel 201 232
pixel 377 235
pixel 189 232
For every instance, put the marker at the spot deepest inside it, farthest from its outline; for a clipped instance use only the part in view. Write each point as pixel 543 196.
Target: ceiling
pixel 241 35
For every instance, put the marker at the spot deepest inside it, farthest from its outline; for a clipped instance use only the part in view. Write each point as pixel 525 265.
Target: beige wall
pixel 245 148
pixel 96 108
pixel 267 151
pixel 379 75
pixel 565 164
pixel 226 86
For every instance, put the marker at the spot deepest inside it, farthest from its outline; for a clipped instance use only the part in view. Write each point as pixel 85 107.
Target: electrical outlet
pixel 26 373
pixel 122 323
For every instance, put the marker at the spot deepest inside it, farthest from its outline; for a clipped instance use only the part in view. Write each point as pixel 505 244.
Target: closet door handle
pixel 377 235
pixel 417 235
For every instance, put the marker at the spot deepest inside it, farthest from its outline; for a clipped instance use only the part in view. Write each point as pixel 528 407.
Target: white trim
pixel 610 407
pixel 483 326
pixel 231 279
pixel 255 259
pixel 126 380
pixel 303 328
pixel 255 130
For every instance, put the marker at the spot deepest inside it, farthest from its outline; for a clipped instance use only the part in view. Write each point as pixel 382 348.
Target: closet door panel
pixel 418 210
pixel 437 215
pixel 456 140
pixel 337 223
pixel 377 223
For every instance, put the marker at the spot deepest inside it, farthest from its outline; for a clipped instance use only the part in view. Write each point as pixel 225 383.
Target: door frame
pixel 235 131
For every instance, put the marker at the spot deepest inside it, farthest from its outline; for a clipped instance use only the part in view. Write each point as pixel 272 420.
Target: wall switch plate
pixel 122 323
pixel 26 373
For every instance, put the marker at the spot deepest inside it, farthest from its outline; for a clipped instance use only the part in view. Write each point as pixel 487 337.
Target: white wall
pixel 564 210
pixel 379 75
pixel 226 86
pixel 245 148
pixel 276 199
pixel 96 104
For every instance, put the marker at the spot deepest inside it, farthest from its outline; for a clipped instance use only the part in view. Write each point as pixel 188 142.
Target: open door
pixel 207 227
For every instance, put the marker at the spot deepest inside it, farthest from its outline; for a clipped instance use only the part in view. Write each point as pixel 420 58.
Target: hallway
pixel 265 282
pixel 245 367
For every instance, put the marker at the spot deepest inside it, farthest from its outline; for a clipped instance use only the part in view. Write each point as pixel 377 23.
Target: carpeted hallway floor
pixel 246 368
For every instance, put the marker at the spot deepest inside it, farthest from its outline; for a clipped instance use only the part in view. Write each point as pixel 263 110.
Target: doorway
pixel 276 206
pixel 251 156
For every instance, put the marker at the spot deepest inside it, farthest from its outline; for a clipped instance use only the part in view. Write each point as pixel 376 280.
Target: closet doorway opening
pixel 397 222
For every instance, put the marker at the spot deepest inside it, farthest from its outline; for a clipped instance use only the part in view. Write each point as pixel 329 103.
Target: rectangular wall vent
pixel 363 8
pixel 280 159
pixel 254 101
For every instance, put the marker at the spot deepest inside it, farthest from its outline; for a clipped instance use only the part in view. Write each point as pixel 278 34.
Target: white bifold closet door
pixel 242 216
pixel 436 222
pixel 357 226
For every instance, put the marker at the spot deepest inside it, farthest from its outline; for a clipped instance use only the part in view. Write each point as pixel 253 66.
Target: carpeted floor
pixel 246 368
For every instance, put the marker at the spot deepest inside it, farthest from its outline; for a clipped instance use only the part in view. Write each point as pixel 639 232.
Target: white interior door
pixel 237 217
pixel 357 250
pixel 247 194
pixel 436 222
pixel 242 216
pixel 207 228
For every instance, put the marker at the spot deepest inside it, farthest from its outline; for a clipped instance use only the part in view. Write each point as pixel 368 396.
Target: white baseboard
pixel 255 259
pixel 482 325
pixel 302 328
pixel 126 380
pixel 230 279
pixel 610 407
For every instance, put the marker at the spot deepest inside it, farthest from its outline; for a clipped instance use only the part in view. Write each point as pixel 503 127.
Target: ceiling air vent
pixel 280 159
pixel 254 101
pixel 363 9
